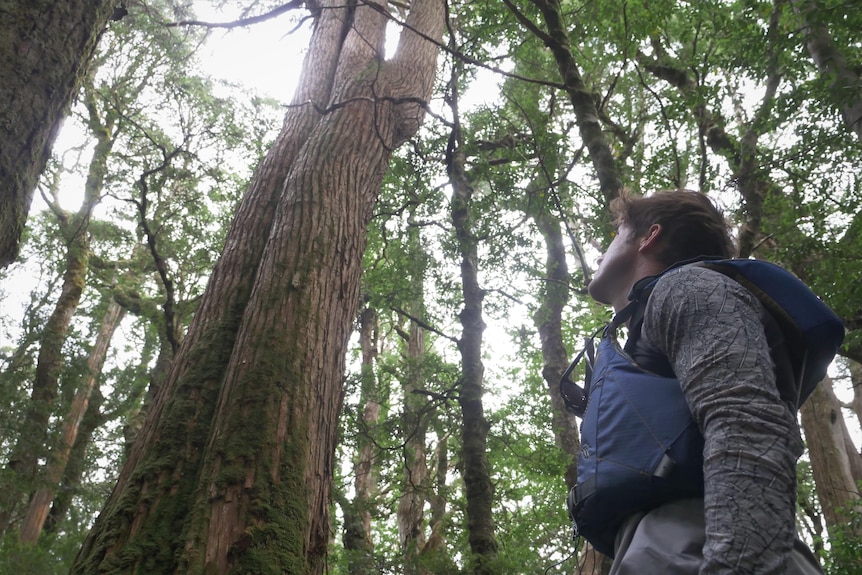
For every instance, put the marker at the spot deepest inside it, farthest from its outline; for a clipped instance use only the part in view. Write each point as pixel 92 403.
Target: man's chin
pixel 596 293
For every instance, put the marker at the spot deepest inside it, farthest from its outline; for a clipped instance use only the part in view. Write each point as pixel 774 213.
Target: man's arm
pixel 710 328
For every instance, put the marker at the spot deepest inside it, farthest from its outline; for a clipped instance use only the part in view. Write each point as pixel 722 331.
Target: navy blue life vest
pixel 640 447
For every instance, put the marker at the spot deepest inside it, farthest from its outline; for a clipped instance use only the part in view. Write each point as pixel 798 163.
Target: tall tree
pixel 45 50
pixel 33 442
pixel 357 539
pixel 40 503
pixel 474 425
pixel 232 470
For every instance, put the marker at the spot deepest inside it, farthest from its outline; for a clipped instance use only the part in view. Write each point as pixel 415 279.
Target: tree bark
pixel 411 517
pixel 357 517
pixel 548 319
pixel 826 436
pixel 40 504
pixel 77 466
pixel 232 471
pixel 45 50
pixel 586 113
pixel 855 369
pixel 474 436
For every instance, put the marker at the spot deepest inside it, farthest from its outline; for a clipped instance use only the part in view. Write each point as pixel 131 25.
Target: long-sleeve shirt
pixel 710 328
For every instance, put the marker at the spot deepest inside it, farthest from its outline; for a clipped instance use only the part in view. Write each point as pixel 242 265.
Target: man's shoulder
pixel 691 274
pixel 697 284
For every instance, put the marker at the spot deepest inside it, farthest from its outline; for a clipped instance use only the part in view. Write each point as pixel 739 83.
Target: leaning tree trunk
pixel 40 504
pixel 232 470
pixel 33 440
pixel 826 436
pixel 581 97
pixel 45 50
pixel 845 81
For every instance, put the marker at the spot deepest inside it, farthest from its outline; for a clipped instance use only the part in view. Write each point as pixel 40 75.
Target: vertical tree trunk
pixel 357 515
pixel 548 319
pixel 436 540
pixel 45 50
pixel 826 436
pixel 232 471
pixel 855 369
pixel 40 503
pixel 474 436
pixel 411 520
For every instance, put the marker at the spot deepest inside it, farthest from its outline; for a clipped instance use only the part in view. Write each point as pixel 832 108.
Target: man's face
pixel 617 267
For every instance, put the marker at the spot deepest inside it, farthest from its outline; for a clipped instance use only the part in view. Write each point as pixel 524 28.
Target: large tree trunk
pixel 232 471
pixel 45 49
pixel 826 436
pixel 40 503
pixel 474 435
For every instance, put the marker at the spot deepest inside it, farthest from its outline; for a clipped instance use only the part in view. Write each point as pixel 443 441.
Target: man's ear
pixel 650 240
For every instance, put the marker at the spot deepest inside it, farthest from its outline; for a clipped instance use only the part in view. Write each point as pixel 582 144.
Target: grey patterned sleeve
pixel 710 328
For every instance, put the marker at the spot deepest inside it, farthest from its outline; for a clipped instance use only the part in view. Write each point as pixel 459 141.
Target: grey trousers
pixel 669 541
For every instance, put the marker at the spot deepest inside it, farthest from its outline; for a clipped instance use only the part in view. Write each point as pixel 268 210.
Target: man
pixel 710 329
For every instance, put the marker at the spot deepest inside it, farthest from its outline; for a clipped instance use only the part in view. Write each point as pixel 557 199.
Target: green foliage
pixel 50 558
pixel 844 556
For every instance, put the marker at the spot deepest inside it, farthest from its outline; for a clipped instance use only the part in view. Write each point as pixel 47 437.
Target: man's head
pixel 654 233
pixel 691 225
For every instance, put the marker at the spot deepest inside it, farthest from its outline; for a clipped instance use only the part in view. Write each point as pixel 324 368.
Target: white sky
pixel 265 57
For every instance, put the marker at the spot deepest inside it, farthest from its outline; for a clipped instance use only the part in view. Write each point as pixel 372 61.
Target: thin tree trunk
pixel 548 319
pixel 826 436
pixel 474 436
pixel 411 521
pixel 78 463
pixel 357 515
pixel 855 369
pixel 232 471
pixel 435 546
pixel 45 50
pixel 40 504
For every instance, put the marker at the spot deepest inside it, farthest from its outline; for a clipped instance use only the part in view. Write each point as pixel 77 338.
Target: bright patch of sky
pixel 265 57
